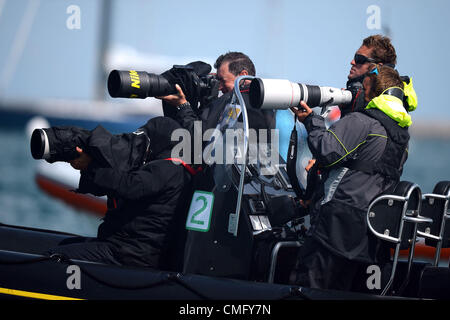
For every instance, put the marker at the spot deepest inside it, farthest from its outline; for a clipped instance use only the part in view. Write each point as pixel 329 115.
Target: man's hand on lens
pixel 175 99
pixel 302 112
pixel 82 162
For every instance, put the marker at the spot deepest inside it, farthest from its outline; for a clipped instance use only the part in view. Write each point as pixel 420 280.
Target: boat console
pixel 243 215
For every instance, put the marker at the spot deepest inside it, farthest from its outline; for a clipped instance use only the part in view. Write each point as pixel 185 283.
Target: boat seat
pixel 394 218
pixel 435 280
pixel 436 207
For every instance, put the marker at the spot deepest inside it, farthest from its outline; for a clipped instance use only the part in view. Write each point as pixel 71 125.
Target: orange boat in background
pixel 427 253
pixel 65 193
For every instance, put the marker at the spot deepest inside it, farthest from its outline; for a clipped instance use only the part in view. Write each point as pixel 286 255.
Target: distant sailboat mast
pixel 105 12
pixel 19 43
pixel 385 22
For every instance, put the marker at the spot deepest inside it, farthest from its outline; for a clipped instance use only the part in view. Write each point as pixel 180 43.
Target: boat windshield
pixel 234 146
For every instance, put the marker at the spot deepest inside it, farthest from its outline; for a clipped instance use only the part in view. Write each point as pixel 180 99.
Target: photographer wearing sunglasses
pixel 375 50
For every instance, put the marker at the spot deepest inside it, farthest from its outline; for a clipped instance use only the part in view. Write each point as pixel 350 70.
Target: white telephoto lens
pixel 280 94
pixel 334 96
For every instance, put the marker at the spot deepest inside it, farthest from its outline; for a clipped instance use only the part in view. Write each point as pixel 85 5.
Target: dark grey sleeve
pixel 342 139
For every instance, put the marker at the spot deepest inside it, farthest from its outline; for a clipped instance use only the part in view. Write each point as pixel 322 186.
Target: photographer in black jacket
pixel 146 205
pixel 229 66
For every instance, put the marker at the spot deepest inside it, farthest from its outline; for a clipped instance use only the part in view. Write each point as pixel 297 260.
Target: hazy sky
pixel 303 41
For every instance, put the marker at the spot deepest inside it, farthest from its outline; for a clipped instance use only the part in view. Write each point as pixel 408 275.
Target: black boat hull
pixel 26 273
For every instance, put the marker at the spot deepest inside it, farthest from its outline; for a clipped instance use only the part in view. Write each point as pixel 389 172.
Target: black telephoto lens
pixel 158 86
pixel 138 84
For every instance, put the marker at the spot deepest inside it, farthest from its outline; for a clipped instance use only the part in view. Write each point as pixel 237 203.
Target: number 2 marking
pixel 196 213
pixel 200 211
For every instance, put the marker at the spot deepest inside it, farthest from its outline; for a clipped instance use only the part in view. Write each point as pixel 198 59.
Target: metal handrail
pixel 406 216
pixel 274 256
pixel 238 94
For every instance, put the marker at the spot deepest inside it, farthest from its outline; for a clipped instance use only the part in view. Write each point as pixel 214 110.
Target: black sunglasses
pixel 360 59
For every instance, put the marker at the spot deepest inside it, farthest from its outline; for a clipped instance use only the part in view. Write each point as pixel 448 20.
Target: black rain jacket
pixel 146 203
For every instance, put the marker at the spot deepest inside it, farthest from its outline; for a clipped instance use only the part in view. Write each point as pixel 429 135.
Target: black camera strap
pixel 291 162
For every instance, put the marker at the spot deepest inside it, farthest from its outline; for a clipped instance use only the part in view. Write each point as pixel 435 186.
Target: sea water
pixel 23 203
